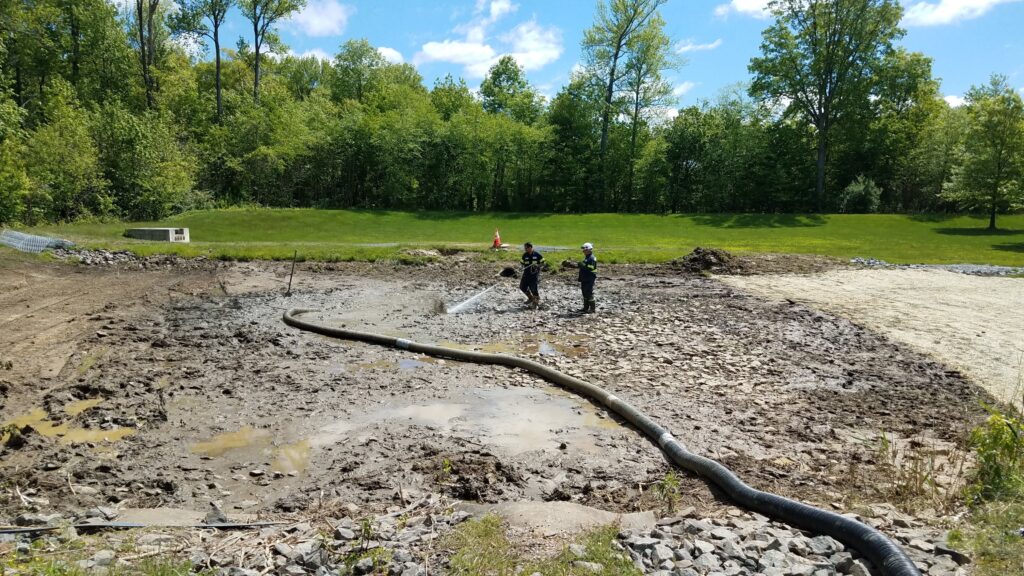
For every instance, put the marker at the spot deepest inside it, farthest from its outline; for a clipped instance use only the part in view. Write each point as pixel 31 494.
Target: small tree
pixel 991 174
pixel 190 19
pixel 263 14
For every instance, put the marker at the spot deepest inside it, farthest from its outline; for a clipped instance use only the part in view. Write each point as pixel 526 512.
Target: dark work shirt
pixel 529 259
pixel 588 269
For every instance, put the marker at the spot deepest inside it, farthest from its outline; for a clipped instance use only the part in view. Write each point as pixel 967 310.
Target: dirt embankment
pixel 972 323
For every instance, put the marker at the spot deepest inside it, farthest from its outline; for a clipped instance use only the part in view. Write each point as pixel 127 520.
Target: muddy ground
pixel 178 386
pixel 972 323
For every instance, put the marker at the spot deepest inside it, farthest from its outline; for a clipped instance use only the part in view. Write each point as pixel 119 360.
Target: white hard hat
pixel 587 246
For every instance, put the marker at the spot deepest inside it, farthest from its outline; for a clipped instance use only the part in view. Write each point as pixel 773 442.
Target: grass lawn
pixel 359 235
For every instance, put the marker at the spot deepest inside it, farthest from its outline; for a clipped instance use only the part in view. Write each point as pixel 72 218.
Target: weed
pixel 481 546
pixel 668 492
pixel 999 445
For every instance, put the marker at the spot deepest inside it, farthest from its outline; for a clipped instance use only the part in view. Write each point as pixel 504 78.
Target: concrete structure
pixel 159 234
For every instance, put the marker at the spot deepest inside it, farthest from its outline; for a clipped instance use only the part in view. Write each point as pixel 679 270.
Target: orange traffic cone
pixel 497 240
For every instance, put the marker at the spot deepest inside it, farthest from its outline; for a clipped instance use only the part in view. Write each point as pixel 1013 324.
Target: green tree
pixel 263 14
pixel 605 44
pixel 450 97
pixel 62 162
pixel 820 56
pixel 355 67
pixel 191 19
pixel 505 90
pixel 991 174
pixel 649 56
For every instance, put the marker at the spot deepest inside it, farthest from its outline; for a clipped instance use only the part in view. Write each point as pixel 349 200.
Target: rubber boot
pixel 586 306
pixel 591 307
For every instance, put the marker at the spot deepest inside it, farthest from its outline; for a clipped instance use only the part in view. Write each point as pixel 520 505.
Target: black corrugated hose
pixel 885 554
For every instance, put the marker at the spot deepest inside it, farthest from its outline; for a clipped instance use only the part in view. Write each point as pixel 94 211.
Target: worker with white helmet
pixel 587 277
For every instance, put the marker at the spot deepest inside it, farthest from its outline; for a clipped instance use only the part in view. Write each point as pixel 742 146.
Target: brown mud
pixel 182 387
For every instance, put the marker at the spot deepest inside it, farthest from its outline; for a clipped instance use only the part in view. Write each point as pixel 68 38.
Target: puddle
pixel 542 344
pixel 243 438
pixel 249 442
pixel 375 365
pixel 76 408
pixel 292 457
pixel 37 420
pixel 515 419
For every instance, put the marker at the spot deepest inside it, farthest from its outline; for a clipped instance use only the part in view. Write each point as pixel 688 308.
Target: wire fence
pixel 30 242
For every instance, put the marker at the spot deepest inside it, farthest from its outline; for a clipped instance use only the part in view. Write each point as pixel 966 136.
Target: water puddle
pixel 533 344
pixel 244 438
pixel 37 420
pixel 515 419
pixel 77 407
pixel 249 442
pixel 292 457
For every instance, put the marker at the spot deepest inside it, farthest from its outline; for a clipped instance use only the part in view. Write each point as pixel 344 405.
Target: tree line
pixel 113 114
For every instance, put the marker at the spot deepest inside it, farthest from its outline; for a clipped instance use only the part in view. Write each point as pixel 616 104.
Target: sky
pixel 967 39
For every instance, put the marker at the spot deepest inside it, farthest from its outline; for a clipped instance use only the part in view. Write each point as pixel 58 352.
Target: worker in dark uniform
pixel 587 277
pixel 532 261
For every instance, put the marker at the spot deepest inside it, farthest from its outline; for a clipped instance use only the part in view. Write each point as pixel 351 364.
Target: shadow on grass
pixel 1018 247
pixel 451 216
pixel 761 220
pixel 978 232
pixel 932 217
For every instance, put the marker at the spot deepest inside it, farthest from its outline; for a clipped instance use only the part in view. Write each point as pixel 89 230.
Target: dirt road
pixel 974 324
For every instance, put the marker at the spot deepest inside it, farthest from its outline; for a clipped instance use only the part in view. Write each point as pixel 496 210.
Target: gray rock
pixel 642 543
pixel 703 547
pixel 824 545
pixel 293 570
pixel 344 534
pixel 707 562
pixel 958 557
pixel 589 567
pixel 661 554
pixel 858 568
pixel 364 566
pixel 577 550
pixel 401 556
pixel 686 572
pixel 724 534
pixel 103 558
pixel 922 545
pixel 774 559
pixel 412 569
pixel 692 526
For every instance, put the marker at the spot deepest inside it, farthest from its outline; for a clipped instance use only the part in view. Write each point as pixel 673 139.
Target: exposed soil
pixel 182 387
pixel 972 323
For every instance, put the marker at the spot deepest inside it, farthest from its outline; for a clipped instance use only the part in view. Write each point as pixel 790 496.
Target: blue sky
pixel 967 39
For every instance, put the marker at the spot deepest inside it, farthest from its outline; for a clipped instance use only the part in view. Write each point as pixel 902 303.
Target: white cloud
pixel 922 13
pixel 689 45
pixel 680 90
pixel 530 43
pixel 465 53
pixel 955 101
pixel 535 46
pixel 755 8
pixel 324 18
pixel 391 55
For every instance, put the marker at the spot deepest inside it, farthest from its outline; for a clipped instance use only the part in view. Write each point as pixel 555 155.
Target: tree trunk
pixel 143 48
pixel 216 76
pixel 819 188
pixel 992 208
pixel 605 120
pixel 75 47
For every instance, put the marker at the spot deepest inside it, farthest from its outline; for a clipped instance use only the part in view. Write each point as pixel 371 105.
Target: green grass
pixel 348 234
pixel 481 546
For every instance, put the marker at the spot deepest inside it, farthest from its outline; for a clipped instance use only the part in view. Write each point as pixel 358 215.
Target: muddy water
pixel 39 420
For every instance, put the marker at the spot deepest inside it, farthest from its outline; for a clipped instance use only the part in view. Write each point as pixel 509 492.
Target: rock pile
pixel 128 260
pixel 751 544
pixel 707 260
